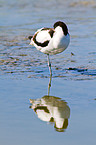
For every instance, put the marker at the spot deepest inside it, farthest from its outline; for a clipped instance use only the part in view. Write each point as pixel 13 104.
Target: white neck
pixel 59 39
pixel 59 31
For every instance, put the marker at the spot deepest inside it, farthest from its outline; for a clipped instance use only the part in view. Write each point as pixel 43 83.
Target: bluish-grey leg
pixel 49 64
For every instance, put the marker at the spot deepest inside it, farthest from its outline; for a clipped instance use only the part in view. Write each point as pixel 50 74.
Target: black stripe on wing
pixel 51 32
pixel 44 108
pixel 44 44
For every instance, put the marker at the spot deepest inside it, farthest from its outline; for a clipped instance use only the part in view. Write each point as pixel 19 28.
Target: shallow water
pixel 24 74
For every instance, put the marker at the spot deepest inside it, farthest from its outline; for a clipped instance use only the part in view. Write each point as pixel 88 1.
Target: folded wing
pixel 43 36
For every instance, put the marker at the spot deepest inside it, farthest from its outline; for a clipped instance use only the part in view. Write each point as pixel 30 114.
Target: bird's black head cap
pixel 63 26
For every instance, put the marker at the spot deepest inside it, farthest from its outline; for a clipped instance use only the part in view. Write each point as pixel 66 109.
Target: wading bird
pixel 51 40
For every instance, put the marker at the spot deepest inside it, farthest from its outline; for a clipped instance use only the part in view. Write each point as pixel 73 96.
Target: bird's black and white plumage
pixel 51 40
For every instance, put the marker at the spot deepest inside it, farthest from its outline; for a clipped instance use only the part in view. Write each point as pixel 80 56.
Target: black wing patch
pixel 44 44
pixel 41 108
pixel 45 29
pixel 51 32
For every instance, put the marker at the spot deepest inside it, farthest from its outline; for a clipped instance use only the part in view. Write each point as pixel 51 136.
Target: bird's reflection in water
pixel 52 109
